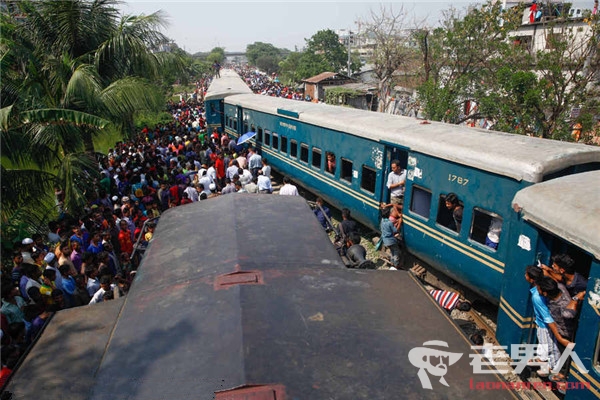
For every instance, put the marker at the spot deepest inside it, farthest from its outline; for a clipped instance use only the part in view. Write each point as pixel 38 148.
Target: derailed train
pixel 541 195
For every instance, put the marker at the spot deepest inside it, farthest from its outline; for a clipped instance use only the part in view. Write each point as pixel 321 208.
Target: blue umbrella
pixel 245 137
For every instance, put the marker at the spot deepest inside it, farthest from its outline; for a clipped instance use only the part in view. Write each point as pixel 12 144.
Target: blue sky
pixel 202 25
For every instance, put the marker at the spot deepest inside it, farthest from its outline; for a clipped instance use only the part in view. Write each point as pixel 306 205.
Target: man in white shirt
pixel 396 183
pixel 264 184
pixel 288 189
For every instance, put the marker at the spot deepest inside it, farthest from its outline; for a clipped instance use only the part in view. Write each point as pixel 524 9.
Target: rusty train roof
pixel 224 307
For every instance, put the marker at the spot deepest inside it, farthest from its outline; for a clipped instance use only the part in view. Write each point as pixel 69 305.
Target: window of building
pixel 294 149
pixel 316 158
pixel 420 201
pixel 450 210
pixel 304 152
pixel 346 173
pixel 486 228
pixel 330 165
pixel 368 178
pixel 267 137
pixel 284 146
pixel 259 135
pixel 275 141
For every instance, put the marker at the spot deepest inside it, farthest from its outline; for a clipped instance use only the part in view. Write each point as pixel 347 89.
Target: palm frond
pixel 4 116
pixel 83 89
pixel 77 174
pixel 21 187
pixel 128 95
pixel 60 116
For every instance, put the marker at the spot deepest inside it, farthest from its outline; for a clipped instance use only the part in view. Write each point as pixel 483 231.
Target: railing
pixel 139 247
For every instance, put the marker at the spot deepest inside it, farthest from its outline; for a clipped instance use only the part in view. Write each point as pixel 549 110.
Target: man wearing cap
pixel 126 202
pixel 26 250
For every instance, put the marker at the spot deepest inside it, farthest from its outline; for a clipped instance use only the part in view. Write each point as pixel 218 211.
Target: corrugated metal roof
pixel 323 76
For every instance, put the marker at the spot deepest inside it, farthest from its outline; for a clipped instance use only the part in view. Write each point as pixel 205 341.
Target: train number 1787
pixel 458 179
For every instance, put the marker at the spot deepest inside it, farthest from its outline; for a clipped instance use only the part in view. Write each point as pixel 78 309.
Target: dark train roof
pixel 568 206
pixel 517 156
pixel 300 328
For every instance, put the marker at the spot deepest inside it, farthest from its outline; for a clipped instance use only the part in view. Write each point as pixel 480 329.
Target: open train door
pixel 392 152
pixel 559 216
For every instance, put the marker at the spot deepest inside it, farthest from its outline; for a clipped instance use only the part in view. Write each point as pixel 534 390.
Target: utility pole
pixel 349 50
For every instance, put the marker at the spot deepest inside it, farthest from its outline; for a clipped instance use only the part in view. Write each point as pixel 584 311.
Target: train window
pixel 486 228
pixel 284 144
pixel 267 137
pixel 252 128
pixel 245 127
pixel 368 178
pixel 316 158
pixel 304 152
pixel 346 173
pixel 235 124
pixel 330 166
pixel 450 211
pixel 420 201
pixel 259 135
pixel 294 148
pixel 275 141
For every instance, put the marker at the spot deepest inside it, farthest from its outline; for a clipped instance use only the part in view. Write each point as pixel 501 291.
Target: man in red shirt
pixel 220 168
pixel 125 238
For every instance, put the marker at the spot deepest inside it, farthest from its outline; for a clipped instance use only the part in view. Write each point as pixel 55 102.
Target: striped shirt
pixel 445 298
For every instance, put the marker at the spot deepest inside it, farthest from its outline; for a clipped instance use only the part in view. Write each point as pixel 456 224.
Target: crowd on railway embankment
pixel 89 258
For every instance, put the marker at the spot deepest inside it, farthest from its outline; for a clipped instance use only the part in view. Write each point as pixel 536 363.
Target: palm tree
pixel 69 71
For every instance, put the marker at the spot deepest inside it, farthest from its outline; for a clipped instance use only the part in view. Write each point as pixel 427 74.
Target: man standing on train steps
pixel 396 182
pixel 254 162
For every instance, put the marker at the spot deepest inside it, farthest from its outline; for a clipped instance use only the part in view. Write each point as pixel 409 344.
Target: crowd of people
pixel 556 293
pixel 268 85
pixel 91 257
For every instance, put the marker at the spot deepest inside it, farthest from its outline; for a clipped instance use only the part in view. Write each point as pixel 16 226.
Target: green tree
pixel 519 87
pixel 69 71
pixel 259 50
pixel 323 53
pixel 459 56
pixel 217 54
pixel 288 68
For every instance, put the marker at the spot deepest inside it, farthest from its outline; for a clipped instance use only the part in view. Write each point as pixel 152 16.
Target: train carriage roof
pixel 516 156
pixel 303 329
pixel 227 85
pixel 568 207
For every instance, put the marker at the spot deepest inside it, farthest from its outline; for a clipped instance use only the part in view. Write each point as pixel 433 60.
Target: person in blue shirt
pixel 548 353
pixel 388 236
pixel 323 213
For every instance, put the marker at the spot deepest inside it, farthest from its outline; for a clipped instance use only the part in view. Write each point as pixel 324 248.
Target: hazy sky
pixel 202 25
